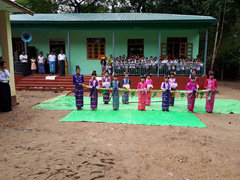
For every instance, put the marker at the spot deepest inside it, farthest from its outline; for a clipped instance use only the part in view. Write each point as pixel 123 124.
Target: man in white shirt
pixel 62 58
pixel 52 62
pixel 24 59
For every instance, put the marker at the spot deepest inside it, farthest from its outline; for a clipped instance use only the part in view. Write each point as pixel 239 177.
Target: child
pixel 142 95
pixel 33 65
pixel 109 68
pixel 126 83
pixel 173 84
pixel 94 93
pixel 78 80
pixel 149 84
pixel 165 95
pixel 115 84
pixel 191 86
pixel 194 74
pixel 210 83
pixel 106 84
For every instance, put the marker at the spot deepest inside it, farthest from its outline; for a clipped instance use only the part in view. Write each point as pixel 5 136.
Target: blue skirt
pixel 41 69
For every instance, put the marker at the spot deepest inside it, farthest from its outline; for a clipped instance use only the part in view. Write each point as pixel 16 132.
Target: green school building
pixel 83 37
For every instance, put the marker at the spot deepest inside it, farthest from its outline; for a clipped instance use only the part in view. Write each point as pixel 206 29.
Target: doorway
pixel 135 47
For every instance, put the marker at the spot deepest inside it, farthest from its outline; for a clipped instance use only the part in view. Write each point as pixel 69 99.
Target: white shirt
pixel 4 76
pixel 61 57
pixel 23 58
pixel 52 58
pixel 41 59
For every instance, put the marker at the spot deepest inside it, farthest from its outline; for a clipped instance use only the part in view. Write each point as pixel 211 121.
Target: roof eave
pixel 18 6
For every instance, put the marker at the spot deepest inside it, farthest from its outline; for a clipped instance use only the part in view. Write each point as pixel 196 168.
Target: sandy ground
pixel 35 145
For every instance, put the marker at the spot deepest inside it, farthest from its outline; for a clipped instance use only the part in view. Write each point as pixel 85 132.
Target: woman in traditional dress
pixel 78 80
pixel 5 92
pixel 94 93
pixel 149 84
pixel 115 84
pixel 142 94
pixel 126 83
pixel 166 94
pixel 106 80
pixel 173 84
pixel 41 61
pixel 191 86
pixel 210 83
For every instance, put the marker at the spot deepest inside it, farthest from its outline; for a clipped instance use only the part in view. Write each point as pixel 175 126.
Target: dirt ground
pixel 35 145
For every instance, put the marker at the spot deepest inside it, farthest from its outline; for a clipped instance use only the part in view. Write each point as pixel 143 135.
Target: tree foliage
pixel 40 6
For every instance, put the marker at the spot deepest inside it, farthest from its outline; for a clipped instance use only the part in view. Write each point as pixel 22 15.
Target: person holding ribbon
pixel 126 83
pixel 191 86
pixel 115 84
pixel 94 93
pixel 78 80
pixel 173 84
pixel 166 94
pixel 211 84
pixel 142 94
pixel 149 84
pixel 106 80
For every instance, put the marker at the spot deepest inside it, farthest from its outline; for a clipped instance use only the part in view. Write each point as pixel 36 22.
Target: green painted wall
pixel 40 39
pixel 78 45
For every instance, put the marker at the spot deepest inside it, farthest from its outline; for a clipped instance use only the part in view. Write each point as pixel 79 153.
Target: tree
pixel 82 6
pixel 40 6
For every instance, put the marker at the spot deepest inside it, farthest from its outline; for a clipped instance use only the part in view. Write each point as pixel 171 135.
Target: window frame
pixel 99 48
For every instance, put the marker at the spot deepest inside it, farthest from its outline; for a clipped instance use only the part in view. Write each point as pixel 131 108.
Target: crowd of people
pixel 136 65
pixel 168 86
pixel 51 64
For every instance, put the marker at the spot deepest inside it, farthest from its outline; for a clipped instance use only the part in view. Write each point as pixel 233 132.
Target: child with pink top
pixel 173 84
pixel 191 86
pixel 142 94
pixel 210 83
pixel 149 83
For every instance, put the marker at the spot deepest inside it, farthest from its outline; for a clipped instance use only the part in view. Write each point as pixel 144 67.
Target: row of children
pixel 182 66
pixel 144 85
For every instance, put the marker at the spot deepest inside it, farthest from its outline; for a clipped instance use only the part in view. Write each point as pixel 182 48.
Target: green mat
pixel 137 117
pixel 224 106
pixel 128 114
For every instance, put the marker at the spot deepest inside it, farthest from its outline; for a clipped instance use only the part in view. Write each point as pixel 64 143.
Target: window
pixel 95 47
pixel 178 47
pixel 57 45
pixel 135 47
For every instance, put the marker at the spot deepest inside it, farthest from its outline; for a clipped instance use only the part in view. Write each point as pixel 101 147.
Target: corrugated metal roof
pixel 111 17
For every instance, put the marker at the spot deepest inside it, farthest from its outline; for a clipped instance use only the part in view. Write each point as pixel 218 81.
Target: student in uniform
pixel 115 84
pixel 5 92
pixel 210 83
pixel 94 92
pixel 78 80
pixel 106 80
pixel 166 94
pixel 191 86
pixel 126 83
pixel 142 94
pixel 149 84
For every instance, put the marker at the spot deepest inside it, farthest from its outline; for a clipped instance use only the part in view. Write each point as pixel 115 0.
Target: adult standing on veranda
pixel 52 62
pixel 24 60
pixel 62 58
pixel 5 92
pixel 41 61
